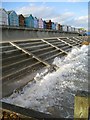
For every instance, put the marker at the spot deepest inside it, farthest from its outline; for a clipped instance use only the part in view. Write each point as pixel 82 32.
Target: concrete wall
pixel 17 33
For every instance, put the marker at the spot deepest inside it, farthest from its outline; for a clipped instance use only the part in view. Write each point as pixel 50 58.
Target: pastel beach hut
pixel 3 17
pixel 40 23
pixel 29 21
pixel 35 22
pixel 13 18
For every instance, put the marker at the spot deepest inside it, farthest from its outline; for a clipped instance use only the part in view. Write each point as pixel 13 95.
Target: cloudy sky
pixel 73 13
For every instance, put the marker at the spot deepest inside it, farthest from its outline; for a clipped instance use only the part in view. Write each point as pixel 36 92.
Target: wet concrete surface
pixel 9 86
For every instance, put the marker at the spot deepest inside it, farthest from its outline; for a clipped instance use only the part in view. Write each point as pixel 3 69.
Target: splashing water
pixel 54 92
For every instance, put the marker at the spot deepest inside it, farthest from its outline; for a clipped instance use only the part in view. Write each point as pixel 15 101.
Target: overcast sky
pixel 67 13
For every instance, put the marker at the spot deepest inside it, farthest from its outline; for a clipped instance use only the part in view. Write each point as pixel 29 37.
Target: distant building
pixel 13 18
pixel 29 21
pixel 35 22
pixel 21 20
pixel 40 23
pixel 3 17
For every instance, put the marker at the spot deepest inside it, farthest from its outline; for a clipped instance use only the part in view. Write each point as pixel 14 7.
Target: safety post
pixel 82 106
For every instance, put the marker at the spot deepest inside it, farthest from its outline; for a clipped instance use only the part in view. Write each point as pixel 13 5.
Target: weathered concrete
pixel 17 33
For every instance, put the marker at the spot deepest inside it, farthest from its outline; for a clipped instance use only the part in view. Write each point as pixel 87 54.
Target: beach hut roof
pixel 3 9
pixel 9 12
pixel 28 15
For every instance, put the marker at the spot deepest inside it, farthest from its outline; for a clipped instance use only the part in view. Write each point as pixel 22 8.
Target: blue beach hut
pixel 53 26
pixel 35 22
pixel 44 24
pixel 13 18
pixel 29 20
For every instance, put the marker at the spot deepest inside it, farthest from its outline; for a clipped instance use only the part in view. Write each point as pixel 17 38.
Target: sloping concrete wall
pixel 16 33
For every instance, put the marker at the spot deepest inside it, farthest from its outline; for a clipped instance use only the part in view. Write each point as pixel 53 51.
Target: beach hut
pixel 44 24
pixel 40 23
pixel 29 21
pixel 58 26
pixel 72 29
pixel 21 20
pixel 48 24
pixel 64 28
pixel 53 26
pixel 35 22
pixel 76 30
pixel 3 17
pixel 13 18
pixel 69 29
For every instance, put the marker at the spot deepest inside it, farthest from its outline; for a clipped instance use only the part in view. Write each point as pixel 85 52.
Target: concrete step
pixel 27 41
pixel 18 65
pixel 36 47
pixel 8 48
pixel 43 51
pixel 49 55
pixel 4 44
pixel 50 59
pixel 10 53
pixel 30 44
pixel 52 41
pixel 60 54
pixel 13 59
pixel 65 47
pixel 58 43
pixel 22 72
pixel 61 45
pixel 46 55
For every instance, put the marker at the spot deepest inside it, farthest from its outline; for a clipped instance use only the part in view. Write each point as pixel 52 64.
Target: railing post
pixel 81 106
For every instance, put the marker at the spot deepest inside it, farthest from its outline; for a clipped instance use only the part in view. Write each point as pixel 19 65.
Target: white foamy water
pixel 54 92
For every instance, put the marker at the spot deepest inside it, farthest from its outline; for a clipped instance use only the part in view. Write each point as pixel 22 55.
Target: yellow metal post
pixel 81 107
